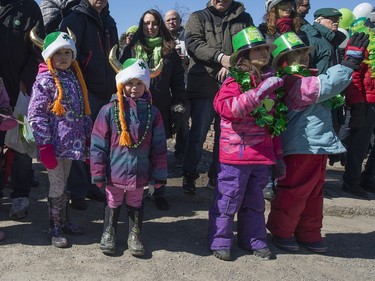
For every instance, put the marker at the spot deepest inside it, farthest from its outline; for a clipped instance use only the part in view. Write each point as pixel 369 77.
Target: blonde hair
pixel 57 107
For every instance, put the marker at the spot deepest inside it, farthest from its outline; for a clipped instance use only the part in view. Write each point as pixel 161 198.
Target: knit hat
pixel 56 41
pixel 286 43
pixel 133 29
pixel 246 39
pixel 134 68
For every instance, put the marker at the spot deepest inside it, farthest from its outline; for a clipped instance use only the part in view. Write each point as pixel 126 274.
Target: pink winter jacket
pixel 241 140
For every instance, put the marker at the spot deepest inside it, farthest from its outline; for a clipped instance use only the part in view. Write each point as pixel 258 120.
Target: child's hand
pixel 47 156
pixel 279 169
pixel 99 184
pixel 268 86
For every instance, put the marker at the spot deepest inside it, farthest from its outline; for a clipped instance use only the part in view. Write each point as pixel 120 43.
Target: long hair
pixel 271 18
pixel 168 43
pixel 244 64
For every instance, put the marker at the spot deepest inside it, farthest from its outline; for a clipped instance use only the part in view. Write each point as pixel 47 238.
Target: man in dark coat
pixel 19 60
pixel 208 39
pixel 96 34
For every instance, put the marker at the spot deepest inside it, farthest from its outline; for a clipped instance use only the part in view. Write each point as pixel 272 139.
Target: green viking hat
pixel 246 39
pixel 287 43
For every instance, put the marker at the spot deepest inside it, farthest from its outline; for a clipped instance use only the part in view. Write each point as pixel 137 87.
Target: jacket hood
pixel 235 8
pixel 86 8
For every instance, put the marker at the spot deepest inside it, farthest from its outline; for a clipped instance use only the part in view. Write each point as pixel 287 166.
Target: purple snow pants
pixel 240 189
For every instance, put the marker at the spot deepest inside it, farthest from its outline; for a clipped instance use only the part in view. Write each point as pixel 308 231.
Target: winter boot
pixel 55 229
pixel 135 227
pixel 108 241
pixel 67 226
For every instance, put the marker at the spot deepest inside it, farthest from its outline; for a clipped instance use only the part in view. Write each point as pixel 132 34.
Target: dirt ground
pixel 175 242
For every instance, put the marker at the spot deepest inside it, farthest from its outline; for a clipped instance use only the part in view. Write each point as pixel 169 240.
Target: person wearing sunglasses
pixel 302 8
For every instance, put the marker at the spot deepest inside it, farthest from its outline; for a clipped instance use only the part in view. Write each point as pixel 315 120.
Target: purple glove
pixel 47 156
pixel 268 86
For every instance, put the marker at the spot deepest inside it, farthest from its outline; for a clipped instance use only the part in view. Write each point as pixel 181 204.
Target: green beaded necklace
pixel 118 125
pixel 275 120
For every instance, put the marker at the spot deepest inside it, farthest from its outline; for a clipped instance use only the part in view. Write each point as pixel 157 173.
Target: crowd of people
pixel 102 109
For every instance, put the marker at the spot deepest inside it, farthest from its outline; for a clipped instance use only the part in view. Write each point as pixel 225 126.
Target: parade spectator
pixel 154 44
pixel 244 172
pixel 325 36
pixel 208 37
pixel 18 68
pixel 59 118
pixel 297 210
pixel 302 7
pixel 53 11
pixel 173 21
pixel 360 99
pixel 129 130
pixel 96 34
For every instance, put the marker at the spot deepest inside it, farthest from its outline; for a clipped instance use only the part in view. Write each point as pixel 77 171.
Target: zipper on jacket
pixel 242 144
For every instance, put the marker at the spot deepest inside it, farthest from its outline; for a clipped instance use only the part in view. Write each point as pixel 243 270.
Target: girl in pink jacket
pixel 250 124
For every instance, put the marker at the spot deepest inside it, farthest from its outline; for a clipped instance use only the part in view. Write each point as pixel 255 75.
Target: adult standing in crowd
pixel 208 39
pixel 360 99
pixel 173 21
pixel 302 8
pixel 325 36
pixel 279 19
pixel 153 43
pixel 18 67
pixel 96 34
pixel 53 11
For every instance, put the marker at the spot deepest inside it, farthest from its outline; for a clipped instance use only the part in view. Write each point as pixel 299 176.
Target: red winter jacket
pixel 362 87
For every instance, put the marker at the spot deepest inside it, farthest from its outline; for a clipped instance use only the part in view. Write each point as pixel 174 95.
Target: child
pixel 128 149
pixel 5 123
pixel 297 210
pixel 59 118
pixel 247 149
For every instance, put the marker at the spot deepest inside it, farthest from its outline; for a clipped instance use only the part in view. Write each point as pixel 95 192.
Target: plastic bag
pixel 21 138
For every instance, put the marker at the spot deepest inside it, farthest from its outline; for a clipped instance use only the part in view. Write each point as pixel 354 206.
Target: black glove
pixel 354 52
pixel 177 117
pixel 357 115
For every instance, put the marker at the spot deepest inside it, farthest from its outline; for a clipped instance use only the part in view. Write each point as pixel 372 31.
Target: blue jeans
pixel 79 181
pixel 183 133
pixel 202 114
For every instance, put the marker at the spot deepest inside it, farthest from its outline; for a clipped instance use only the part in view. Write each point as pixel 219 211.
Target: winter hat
pixel 287 43
pixel 133 29
pixel 134 68
pixel 327 12
pixel 246 39
pixel 55 41
pixel 272 3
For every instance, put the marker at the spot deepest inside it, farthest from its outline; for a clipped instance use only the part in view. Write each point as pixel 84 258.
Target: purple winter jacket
pixel 69 133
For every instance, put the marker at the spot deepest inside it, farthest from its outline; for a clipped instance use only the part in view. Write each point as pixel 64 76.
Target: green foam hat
pixel 134 68
pixel 286 43
pixel 56 41
pixel 246 39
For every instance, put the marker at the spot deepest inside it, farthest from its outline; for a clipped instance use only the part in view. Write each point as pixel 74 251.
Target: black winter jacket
pixel 96 34
pixel 19 58
pixel 207 34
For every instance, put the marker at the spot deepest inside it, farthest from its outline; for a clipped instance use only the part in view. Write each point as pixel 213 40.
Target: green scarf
pixel 154 44
pixel 276 120
pixel 332 103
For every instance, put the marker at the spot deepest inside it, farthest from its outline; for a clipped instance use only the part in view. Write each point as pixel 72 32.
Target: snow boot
pixel 135 245
pixel 55 229
pixel 108 241
pixel 67 226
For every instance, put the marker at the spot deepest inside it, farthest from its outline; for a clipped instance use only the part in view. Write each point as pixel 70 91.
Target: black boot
pixel 55 230
pixel 108 241
pixel 67 226
pixel 135 245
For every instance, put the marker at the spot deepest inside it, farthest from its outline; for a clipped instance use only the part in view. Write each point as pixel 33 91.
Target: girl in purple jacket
pixel 251 120
pixel 59 118
pixel 128 149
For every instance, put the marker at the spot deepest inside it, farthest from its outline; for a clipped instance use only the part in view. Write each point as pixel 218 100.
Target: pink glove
pixel 268 86
pixel 47 156
pixel 158 185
